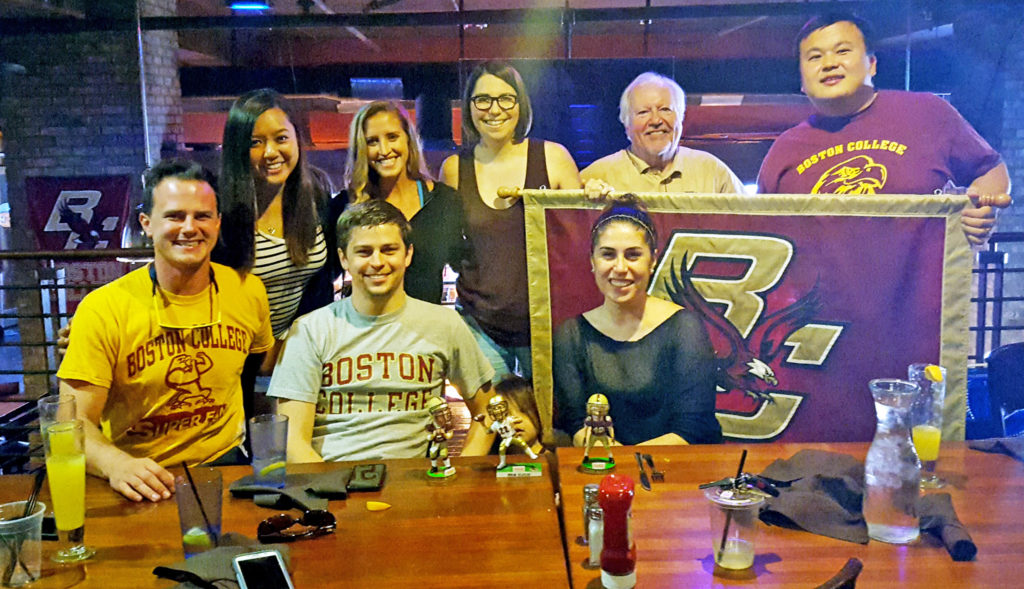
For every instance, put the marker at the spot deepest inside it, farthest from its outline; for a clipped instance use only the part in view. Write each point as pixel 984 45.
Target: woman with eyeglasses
pixel 277 214
pixel 492 287
pixel 385 161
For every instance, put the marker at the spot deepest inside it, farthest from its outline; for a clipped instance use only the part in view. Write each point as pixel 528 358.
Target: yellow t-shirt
pixel 174 393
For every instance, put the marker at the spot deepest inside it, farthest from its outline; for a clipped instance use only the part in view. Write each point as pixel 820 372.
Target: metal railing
pixel 20 446
pixel 38 291
pixel 994 268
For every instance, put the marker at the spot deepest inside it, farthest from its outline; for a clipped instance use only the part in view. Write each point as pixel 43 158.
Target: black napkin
pixel 303 490
pixel 215 564
pixel 825 495
pixel 939 518
pixel 1013 447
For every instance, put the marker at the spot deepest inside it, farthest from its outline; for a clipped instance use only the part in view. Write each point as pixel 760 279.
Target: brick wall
pixel 1013 154
pixel 1013 127
pixel 77 110
pixel 163 90
pixel 989 91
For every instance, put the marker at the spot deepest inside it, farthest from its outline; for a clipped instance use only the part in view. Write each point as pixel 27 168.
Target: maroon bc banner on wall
pixel 78 213
pixel 806 299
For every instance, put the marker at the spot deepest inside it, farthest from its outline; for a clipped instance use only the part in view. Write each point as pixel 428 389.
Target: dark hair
pixel 824 20
pixel 510 76
pixel 371 213
pixel 304 192
pixel 520 391
pixel 179 168
pixel 630 209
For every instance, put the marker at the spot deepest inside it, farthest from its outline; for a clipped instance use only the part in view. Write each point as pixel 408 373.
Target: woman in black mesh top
pixel 650 357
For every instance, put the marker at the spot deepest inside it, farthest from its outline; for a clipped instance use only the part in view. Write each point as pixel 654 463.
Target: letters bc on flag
pixel 806 299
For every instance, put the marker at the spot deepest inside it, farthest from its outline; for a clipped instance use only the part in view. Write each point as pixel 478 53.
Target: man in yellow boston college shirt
pixel 155 356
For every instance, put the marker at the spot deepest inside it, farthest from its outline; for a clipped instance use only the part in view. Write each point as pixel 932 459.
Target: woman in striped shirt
pixel 277 212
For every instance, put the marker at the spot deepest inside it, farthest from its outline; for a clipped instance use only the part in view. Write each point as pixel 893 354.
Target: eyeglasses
pixel 163 302
pixel 279 528
pixel 484 101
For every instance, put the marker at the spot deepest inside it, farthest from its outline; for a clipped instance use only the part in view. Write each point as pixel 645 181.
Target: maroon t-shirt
pixel 904 143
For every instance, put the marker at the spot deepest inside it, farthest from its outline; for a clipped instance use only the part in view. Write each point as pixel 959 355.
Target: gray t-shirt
pixel 370 376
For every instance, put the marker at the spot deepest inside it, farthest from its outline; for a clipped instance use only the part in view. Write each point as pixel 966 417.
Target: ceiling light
pixel 251 6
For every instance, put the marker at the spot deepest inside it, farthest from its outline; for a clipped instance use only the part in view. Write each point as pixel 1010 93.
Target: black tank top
pixel 492 282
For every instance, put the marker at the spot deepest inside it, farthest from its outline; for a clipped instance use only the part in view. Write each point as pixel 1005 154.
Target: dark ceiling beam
pixel 869 8
pixel 25 26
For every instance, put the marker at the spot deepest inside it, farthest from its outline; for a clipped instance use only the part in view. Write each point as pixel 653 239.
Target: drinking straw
pixel 15 550
pixel 728 512
pixel 199 502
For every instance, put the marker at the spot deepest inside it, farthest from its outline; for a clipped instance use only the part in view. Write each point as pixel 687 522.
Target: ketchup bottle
pixel 618 555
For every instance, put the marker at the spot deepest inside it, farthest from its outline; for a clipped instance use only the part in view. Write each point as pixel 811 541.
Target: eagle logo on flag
pixel 746 366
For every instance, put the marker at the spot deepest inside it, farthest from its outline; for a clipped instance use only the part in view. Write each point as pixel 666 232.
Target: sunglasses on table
pixel 484 101
pixel 282 527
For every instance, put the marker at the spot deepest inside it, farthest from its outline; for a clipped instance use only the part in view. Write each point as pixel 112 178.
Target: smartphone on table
pixel 262 570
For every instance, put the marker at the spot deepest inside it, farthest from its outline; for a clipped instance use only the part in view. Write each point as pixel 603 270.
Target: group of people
pixel 161 360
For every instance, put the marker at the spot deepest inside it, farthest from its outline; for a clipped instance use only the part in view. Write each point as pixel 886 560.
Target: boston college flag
pixel 806 299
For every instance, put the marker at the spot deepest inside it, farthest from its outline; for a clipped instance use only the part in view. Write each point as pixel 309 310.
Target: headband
pixel 630 214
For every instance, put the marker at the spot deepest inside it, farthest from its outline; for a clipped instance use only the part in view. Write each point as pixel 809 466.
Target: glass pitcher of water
pixel 892 470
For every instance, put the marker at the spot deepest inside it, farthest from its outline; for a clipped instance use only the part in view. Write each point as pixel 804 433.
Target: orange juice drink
pixel 65 469
pixel 67 490
pixel 926 441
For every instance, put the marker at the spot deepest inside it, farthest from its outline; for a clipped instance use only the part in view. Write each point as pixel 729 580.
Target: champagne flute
pixel 926 419
pixel 65 470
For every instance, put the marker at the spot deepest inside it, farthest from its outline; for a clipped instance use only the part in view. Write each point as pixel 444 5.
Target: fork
pixel 655 473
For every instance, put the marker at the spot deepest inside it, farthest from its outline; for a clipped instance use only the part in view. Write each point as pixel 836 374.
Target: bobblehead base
pixel 597 465
pixel 523 469
pixel 442 473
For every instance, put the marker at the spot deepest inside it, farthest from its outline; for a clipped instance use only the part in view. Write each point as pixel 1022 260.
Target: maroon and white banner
pixel 78 213
pixel 806 299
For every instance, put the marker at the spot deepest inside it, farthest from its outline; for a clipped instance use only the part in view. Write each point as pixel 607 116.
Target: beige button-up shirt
pixel 690 171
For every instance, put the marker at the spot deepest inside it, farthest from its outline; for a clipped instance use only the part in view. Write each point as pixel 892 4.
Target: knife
pixel 644 481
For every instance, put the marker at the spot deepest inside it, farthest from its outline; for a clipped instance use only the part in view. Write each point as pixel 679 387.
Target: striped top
pixel 283 280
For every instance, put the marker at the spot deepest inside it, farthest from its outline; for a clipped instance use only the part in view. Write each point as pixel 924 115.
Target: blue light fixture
pixel 249 6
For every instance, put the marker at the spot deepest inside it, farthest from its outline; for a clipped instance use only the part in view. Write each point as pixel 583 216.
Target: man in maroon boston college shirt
pixel 867 141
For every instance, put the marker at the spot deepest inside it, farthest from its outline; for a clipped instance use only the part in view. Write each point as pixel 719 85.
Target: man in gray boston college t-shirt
pixel 354 376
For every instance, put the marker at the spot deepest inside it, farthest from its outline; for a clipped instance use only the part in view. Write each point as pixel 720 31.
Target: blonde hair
pixel 360 179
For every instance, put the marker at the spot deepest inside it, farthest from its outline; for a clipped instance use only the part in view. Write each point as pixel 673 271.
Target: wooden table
pixel 674 546
pixel 470 531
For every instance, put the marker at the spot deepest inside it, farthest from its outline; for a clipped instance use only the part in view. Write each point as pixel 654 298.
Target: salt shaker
pixel 595 531
pixel 589 500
